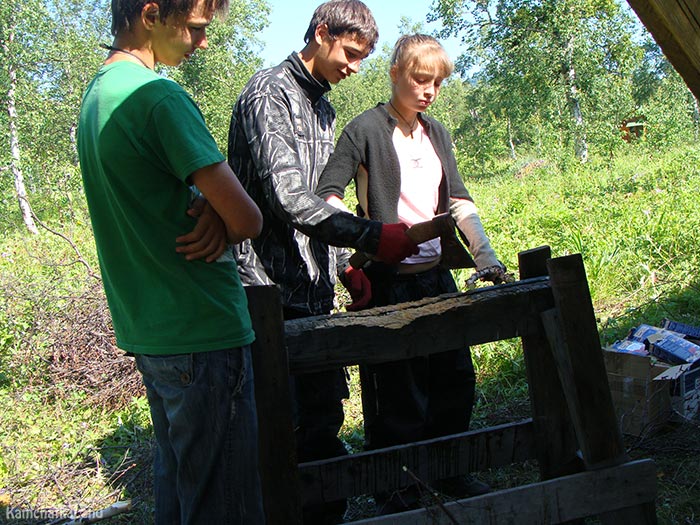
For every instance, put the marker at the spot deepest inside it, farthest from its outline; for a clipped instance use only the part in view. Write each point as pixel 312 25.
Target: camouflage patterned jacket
pixel 280 138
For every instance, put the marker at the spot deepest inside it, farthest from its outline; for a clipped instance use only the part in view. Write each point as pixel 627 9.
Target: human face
pixel 178 38
pixel 415 91
pixel 338 57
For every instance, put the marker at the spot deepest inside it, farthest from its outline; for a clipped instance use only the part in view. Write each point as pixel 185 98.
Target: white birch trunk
pixel 15 166
pixel 510 141
pixel 569 74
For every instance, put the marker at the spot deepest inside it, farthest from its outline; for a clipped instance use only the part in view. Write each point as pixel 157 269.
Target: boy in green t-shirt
pixel 142 142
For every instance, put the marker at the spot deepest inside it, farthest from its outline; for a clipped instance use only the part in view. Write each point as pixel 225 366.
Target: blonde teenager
pixel 404 169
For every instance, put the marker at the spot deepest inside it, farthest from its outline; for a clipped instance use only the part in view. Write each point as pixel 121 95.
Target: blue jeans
pixel 205 423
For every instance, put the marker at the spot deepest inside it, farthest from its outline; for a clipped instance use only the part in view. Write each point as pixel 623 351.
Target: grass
pixel 634 218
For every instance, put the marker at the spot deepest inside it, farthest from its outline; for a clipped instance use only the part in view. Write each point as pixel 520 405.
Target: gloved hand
pixel 394 244
pixel 359 287
pixel 497 274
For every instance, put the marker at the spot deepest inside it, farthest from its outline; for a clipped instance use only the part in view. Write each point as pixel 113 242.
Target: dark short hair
pixel 124 12
pixel 345 17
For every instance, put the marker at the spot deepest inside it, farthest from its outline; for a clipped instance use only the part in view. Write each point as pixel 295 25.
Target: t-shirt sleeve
pixel 185 144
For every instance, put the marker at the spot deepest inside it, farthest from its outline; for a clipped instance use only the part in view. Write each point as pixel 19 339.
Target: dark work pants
pixel 423 397
pixel 317 403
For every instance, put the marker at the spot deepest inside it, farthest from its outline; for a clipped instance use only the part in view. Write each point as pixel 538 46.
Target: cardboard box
pixel 690 331
pixel 685 389
pixel 629 346
pixel 642 333
pixel 673 349
pixel 642 404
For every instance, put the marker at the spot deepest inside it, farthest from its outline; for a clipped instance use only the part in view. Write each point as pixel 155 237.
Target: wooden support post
pixel 573 334
pixel 554 436
pixel 278 463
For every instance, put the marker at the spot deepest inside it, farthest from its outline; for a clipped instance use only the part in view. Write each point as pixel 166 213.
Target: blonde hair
pixel 421 54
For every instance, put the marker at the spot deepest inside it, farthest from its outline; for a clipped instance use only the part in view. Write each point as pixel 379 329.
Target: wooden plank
pixel 553 501
pixel 417 328
pixel 555 439
pixel 682 18
pixel 440 458
pixel 278 463
pixel 675 25
pixel 573 336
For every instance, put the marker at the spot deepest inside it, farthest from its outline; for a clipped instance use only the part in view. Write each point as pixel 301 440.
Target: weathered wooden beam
pixel 675 25
pixel 440 458
pixel 417 328
pixel 279 475
pixel 555 439
pixel 553 501
pixel 573 336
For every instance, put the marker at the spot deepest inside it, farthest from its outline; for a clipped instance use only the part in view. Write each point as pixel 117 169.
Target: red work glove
pixel 357 283
pixel 394 244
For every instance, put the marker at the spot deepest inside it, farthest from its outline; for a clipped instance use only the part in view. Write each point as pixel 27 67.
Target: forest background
pixel 536 111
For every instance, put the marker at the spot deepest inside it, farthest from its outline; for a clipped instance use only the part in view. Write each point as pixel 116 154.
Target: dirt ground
pixel 676 451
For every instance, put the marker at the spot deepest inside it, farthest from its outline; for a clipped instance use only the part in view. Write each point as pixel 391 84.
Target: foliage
pixel 633 218
pixel 80 456
pixel 556 74
pixel 671 114
pixel 361 92
pixel 65 445
pixel 55 52
pixel 631 211
pixel 217 75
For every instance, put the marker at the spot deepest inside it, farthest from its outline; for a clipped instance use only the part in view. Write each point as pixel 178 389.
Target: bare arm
pixel 224 192
pixel 336 202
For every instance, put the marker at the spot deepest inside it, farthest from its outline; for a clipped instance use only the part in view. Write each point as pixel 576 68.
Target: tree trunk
pixel 696 115
pixel 569 77
pixel 510 140
pixel 15 165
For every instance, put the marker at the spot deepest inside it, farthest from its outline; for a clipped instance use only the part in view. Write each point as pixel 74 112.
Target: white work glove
pixel 488 267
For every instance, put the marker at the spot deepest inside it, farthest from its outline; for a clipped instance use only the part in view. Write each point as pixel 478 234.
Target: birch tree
pixel 7 38
pixel 545 57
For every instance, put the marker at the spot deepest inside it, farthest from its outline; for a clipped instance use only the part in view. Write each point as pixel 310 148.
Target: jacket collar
pixel 312 87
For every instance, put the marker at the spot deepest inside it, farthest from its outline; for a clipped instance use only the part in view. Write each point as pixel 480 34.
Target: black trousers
pixel 418 398
pixel 317 404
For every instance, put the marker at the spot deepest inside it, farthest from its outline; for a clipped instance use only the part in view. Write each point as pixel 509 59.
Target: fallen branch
pixel 119 507
pixel 79 255
pixel 432 493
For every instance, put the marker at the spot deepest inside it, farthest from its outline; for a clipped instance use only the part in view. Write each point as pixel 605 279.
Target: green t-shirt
pixel 140 137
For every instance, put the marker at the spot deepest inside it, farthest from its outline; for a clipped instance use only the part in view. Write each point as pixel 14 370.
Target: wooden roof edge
pixel 676 53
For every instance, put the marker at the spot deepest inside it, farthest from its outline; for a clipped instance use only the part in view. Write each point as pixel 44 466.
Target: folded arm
pixel 224 192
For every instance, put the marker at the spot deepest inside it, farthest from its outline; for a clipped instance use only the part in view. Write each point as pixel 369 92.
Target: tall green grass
pixel 634 218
